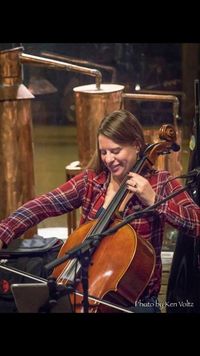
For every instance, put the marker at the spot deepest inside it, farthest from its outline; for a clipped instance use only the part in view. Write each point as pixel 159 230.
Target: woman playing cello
pixel 120 144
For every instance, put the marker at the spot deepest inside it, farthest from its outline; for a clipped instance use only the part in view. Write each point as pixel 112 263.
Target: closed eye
pixel 114 151
pixel 103 152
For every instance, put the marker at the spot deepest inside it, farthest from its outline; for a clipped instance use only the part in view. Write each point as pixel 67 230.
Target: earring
pixel 137 155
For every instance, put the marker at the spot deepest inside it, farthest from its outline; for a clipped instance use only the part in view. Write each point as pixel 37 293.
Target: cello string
pixel 114 204
pixel 103 221
pixel 68 272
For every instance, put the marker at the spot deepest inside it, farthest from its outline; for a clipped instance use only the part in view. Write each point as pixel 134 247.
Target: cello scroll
pixel 168 144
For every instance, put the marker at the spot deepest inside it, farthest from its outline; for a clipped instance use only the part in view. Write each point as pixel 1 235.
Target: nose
pixel 109 158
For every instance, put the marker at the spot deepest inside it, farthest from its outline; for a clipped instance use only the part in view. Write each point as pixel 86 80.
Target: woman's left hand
pixel 141 187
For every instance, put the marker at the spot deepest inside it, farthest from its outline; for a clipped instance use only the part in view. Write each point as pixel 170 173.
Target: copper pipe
pixel 164 92
pixel 50 63
pixel 157 97
pixel 172 163
pixel 82 61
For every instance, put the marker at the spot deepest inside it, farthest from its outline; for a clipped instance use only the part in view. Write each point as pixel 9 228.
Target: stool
pixel 71 170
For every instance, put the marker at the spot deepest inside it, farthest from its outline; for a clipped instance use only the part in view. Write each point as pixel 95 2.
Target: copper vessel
pixel 92 105
pixel 16 150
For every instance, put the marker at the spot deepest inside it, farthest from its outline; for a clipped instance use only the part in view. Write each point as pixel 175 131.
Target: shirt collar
pixel 102 178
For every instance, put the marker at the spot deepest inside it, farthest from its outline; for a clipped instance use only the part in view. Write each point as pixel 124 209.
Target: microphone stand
pixel 83 252
pixel 56 292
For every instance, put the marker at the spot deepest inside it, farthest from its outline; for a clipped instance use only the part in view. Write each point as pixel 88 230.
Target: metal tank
pixel 92 104
pixel 16 149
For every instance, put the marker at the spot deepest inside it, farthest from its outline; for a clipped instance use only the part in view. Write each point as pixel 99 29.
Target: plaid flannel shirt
pixel 88 190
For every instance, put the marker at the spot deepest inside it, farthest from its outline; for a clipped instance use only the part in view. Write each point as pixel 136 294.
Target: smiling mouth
pixel 115 168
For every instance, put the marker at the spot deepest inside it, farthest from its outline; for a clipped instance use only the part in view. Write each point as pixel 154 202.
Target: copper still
pixel 92 105
pixel 16 149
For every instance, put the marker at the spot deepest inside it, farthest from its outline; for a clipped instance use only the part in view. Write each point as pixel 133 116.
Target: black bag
pixel 30 256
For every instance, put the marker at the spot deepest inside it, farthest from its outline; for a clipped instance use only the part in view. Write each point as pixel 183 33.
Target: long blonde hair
pixel 123 128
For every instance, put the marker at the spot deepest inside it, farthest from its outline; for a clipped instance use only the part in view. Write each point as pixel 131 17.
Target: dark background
pixel 156 67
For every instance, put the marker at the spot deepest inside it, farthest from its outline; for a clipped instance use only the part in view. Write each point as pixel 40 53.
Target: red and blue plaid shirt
pixel 88 190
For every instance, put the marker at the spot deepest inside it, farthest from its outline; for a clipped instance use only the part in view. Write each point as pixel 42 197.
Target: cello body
pixel 120 268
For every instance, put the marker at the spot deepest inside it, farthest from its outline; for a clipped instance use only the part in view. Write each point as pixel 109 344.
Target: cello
pixel 123 263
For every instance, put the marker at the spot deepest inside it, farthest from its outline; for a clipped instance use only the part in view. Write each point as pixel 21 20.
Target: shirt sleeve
pixel 61 200
pixel 181 211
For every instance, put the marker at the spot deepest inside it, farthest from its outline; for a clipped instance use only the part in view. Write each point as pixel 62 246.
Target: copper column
pixel 92 105
pixel 16 149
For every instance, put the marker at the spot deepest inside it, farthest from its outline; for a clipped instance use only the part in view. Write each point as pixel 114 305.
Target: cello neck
pixel 106 217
